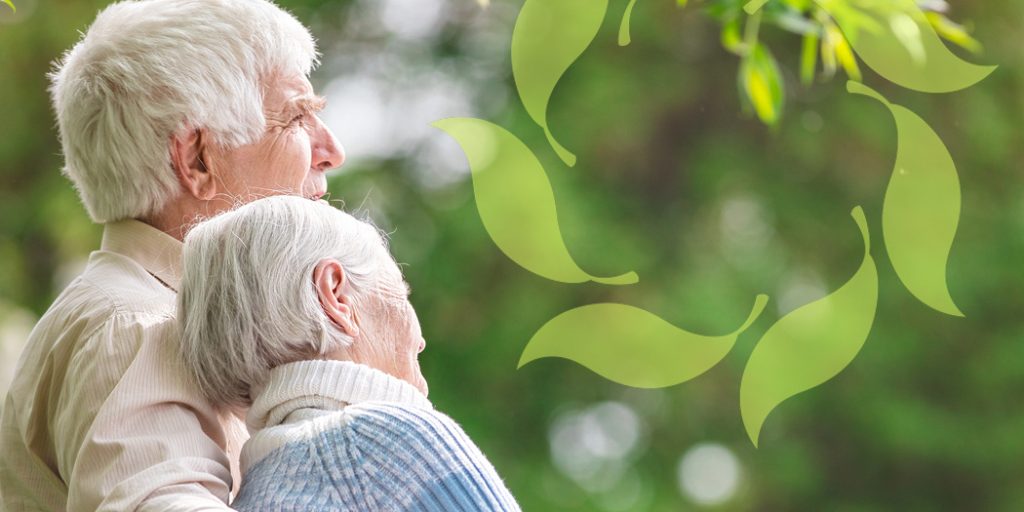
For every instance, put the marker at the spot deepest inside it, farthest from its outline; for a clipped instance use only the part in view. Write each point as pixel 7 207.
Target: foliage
pixel 761 85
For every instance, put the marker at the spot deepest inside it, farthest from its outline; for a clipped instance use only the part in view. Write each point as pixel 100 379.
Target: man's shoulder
pixel 113 285
pixel 75 356
pixel 125 285
pixel 112 293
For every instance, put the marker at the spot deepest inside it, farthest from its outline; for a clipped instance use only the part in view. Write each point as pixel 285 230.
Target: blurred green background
pixel 675 180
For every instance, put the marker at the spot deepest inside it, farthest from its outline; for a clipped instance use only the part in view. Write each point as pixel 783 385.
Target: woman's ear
pixel 187 159
pixel 330 282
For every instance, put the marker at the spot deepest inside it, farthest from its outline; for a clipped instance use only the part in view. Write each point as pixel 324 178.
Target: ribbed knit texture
pixel 331 435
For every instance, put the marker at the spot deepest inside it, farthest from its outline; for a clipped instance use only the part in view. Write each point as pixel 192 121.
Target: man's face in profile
pixel 293 154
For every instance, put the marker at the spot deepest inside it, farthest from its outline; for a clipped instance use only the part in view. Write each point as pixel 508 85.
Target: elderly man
pixel 169 111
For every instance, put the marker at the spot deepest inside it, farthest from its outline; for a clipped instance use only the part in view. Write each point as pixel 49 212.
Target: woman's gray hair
pixel 247 301
pixel 147 69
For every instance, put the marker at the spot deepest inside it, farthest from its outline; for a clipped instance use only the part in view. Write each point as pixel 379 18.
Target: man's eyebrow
pixel 310 104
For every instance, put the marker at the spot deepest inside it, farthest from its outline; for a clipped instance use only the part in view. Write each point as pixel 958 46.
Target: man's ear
pixel 187 159
pixel 330 282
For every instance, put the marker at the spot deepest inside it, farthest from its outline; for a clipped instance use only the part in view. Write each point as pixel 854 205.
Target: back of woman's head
pixel 247 302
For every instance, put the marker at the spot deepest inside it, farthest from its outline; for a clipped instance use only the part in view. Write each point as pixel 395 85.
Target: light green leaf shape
pixel 810 345
pixel 624 38
pixel 905 49
pixel 13 8
pixel 754 5
pixel 548 37
pixel 516 203
pixel 922 207
pixel 632 346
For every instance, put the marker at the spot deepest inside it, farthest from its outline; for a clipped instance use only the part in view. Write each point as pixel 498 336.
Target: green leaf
pixel 844 55
pixel 810 345
pixel 761 83
pixel 516 202
pixel 624 38
pixel 809 59
pixel 798 5
pixel 906 50
pixel 631 346
pixel 828 52
pixel 731 38
pixel 754 6
pixel 953 32
pixel 792 21
pixel 922 207
pixel 548 37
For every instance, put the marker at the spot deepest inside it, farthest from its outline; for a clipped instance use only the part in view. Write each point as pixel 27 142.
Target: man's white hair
pixel 247 301
pixel 147 69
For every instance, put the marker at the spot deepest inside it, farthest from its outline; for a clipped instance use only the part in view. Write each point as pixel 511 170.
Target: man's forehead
pixel 286 90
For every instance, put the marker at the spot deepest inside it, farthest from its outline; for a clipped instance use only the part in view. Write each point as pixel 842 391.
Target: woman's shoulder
pixel 377 412
pixel 396 452
pixel 382 425
pixel 400 434
pixel 398 424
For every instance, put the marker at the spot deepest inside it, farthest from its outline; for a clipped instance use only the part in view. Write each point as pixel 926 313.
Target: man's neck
pixel 177 218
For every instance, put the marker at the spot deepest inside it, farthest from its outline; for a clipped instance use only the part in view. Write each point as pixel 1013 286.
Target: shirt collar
pixel 156 251
pixel 326 385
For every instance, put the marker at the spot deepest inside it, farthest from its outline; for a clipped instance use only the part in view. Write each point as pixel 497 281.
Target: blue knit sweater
pixel 332 435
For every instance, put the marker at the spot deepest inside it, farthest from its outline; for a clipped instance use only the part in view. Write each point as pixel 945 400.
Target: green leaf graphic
pixel 624 38
pixel 548 37
pixel 516 203
pixel 761 83
pixel 900 44
pixel 810 345
pixel 754 5
pixel 632 346
pixel 922 207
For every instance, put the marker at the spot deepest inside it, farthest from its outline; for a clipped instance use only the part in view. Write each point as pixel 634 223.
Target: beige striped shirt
pixel 101 414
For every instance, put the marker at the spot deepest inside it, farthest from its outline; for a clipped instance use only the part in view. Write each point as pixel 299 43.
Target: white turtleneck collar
pixel 325 386
pixel 300 397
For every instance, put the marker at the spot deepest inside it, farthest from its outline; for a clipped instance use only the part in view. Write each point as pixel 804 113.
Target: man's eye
pixel 298 119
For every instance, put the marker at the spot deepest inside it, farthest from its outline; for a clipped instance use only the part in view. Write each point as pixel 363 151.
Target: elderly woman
pixel 297 311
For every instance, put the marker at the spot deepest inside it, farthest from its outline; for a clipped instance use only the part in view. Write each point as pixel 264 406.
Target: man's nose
pixel 327 151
